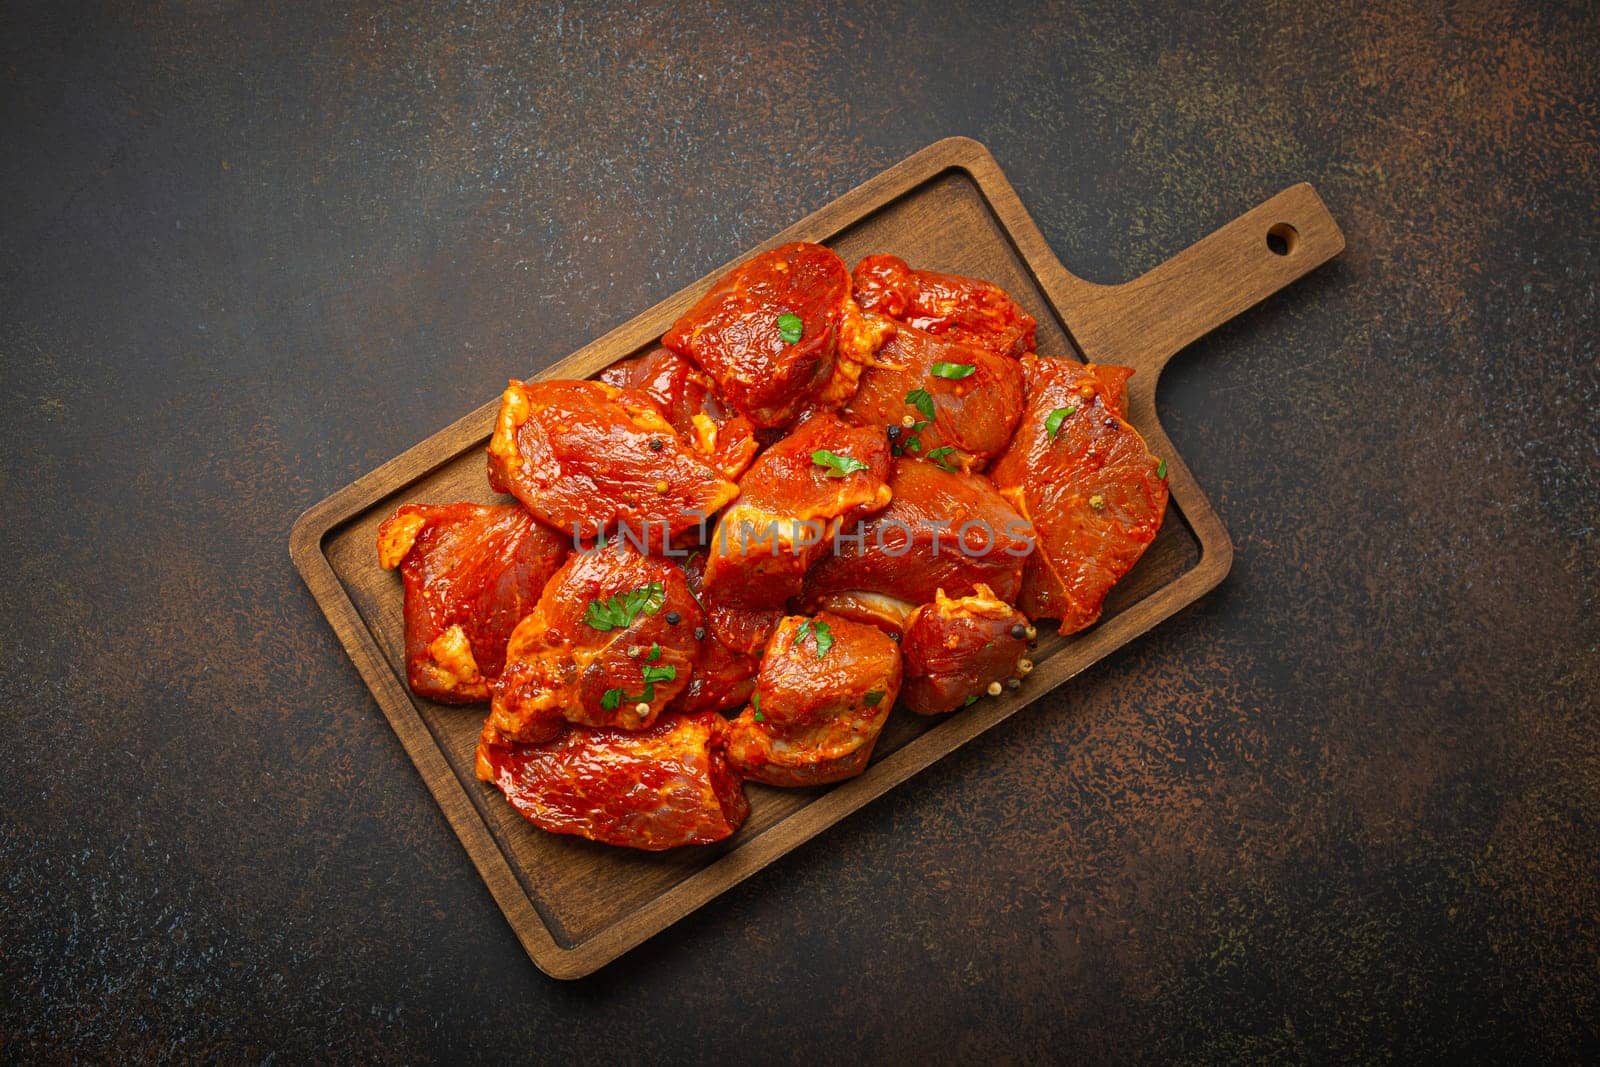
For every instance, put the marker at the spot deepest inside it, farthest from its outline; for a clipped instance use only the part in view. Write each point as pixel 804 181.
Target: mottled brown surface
pixel 1349 805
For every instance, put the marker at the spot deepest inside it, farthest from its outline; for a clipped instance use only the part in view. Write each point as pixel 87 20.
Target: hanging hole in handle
pixel 1282 238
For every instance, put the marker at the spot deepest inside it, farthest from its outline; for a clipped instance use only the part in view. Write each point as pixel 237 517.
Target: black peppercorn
pixel 657 444
pixel 673 618
pixel 1019 631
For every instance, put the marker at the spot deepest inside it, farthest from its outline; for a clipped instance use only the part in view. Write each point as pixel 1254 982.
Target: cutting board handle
pixel 1143 323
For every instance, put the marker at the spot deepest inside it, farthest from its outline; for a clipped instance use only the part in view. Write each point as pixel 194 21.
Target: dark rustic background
pixel 1348 806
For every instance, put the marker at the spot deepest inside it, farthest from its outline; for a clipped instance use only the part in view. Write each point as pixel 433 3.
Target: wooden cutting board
pixel 577 905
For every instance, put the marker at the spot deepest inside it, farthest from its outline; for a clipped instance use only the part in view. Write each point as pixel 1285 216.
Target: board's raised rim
pixel 311 529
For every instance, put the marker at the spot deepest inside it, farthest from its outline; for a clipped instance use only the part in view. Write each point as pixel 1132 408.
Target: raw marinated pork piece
pixel 583 455
pixel 1084 478
pixel 611 642
pixel 780 334
pixel 952 306
pixel 823 694
pixel 955 404
pixel 958 650
pixel 470 572
pixel 653 789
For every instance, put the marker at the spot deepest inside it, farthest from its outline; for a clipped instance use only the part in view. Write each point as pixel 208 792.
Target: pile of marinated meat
pixel 823 496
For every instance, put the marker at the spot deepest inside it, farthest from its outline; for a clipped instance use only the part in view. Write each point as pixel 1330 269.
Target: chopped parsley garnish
pixel 1053 421
pixel 971 700
pixel 903 438
pixel 874 698
pixel 654 653
pixel 619 611
pixel 838 466
pixel 611 699
pixel 919 399
pixel 819 632
pixel 790 328
pixel 755 705
pixel 1161 469
pixel 900 443
pixel 953 371
pixel 824 639
pixel 652 675
pixel 938 457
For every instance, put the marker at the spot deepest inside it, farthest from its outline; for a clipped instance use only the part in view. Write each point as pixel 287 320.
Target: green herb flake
pixel 619 611
pixel 652 675
pixel 909 441
pixel 953 371
pixel 938 457
pixel 919 399
pixel 790 328
pixel 654 653
pixel 824 639
pixel 1161 469
pixel 1053 421
pixel 837 466
pixel 760 717
pixel 819 631
pixel 611 699
pixel 874 698
pixel 971 700
pixel 755 702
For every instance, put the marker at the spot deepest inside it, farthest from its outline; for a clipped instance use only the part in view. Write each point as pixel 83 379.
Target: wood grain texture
pixel 576 905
